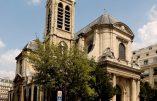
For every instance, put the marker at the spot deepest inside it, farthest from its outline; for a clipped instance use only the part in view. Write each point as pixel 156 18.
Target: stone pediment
pixel 124 28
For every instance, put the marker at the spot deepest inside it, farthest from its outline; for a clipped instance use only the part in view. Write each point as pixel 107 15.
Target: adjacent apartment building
pixel 5 87
pixel 147 59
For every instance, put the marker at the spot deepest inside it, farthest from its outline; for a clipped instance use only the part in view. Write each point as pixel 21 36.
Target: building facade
pixel 106 38
pixel 147 59
pixel 110 41
pixel 5 87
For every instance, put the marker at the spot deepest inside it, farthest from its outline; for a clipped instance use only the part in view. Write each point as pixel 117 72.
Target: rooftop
pixel 104 19
pixel 32 45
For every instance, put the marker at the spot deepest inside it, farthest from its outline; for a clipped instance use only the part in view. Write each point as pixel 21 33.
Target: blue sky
pixel 22 20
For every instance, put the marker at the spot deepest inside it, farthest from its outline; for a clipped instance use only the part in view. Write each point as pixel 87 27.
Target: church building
pixel 106 38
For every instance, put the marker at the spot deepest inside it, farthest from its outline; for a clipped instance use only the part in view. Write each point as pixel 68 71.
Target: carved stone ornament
pixel 107 54
pixel 135 62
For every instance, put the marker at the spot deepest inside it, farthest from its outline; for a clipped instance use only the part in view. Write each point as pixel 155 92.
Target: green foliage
pixel 80 78
pixel 147 93
pixel 104 87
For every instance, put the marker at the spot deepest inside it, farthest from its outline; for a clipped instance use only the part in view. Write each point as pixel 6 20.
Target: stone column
pixel 133 94
pixel 41 94
pixel 124 96
pixel 138 92
pixel 73 19
pixel 114 84
pixel 38 99
pixel 21 95
pixel 32 94
pixel 81 42
pixel 151 78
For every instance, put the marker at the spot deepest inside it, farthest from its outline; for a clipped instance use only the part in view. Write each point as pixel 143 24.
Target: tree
pixel 67 70
pixel 71 71
pixel 147 93
pixel 104 86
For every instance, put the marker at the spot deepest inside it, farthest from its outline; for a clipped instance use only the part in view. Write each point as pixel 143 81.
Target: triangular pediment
pixel 123 27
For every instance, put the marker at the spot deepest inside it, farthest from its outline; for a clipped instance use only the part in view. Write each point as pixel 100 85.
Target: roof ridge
pixel 103 19
pixel 90 23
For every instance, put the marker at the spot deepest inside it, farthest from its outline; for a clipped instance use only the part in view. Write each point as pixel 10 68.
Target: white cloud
pixel 153 13
pixel 147 34
pixel 2 44
pixel 7 74
pixel 34 2
pixel 8 63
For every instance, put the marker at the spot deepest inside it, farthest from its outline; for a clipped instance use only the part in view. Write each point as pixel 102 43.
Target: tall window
pixel 67 18
pixel 122 51
pixel 35 94
pixel 145 62
pixel 25 96
pixel 20 67
pixel 29 97
pixel 155 60
pixel 155 71
pixel 49 21
pixel 60 16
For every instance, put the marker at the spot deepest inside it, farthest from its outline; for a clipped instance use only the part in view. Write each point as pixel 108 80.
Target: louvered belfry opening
pixel 60 16
pixel 49 21
pixel 122 51
pixel 67 18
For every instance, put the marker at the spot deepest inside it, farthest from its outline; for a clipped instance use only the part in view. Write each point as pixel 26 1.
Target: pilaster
pixel 38 94
pixel 32 90
pixel 21 95
pixel 81 43
pixel 133 94
pixel 114 84
pixel 138 92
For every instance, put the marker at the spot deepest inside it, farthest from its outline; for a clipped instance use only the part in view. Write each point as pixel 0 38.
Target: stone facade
pixel 110 42
pixel 147 59
pixel 106 38
pixel 5 87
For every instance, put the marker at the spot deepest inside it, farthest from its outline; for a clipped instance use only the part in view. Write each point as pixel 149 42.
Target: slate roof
pixel 32 45
pixel 101 20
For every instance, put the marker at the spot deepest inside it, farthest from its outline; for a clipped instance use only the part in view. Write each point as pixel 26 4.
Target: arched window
pixel 20 67
pixel 35 94
pixel 49 21
pixel 118 93
pixel 90 47
pixel 63 46
pixel 60 16
pixel 67 18
pixel 121 51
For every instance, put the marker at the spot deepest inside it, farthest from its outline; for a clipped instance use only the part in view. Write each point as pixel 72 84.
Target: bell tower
pixel 59 24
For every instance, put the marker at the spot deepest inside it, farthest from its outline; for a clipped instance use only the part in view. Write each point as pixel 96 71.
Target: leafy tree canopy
pixel 147 93
pixel 70 70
